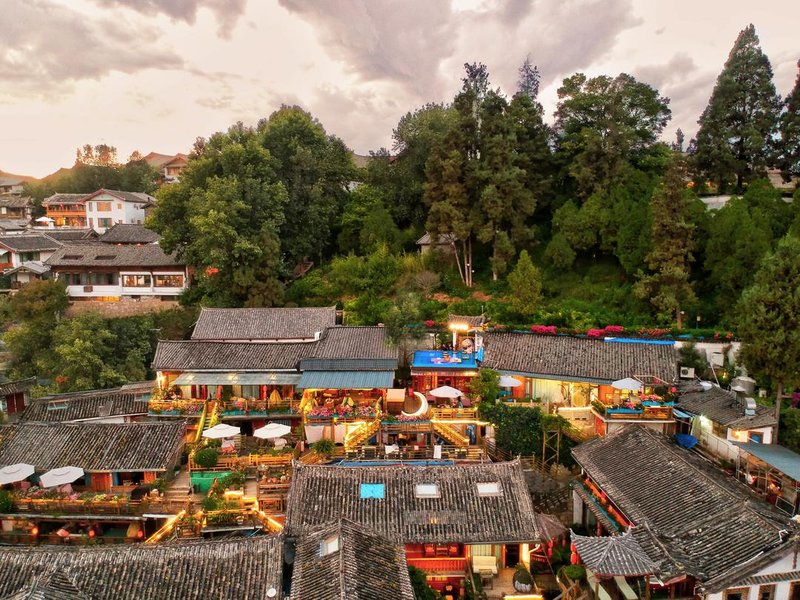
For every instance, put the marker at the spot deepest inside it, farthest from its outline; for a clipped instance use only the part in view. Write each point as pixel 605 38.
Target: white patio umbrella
pixel 629 383
pixel 220 431
pixel 509 382
pixel 272 430
pixel 44 220
pixel 446 391
pixel 14 473
pixel 60 476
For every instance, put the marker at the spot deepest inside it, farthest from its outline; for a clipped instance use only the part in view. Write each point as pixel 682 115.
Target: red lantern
pixel 212 271
pixel 35 531
pixel 92 533
pixel 574 559
pixel 140 534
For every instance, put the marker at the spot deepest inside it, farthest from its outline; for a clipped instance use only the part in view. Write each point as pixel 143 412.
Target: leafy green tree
pixel 45 299
pixel 559 252
pixel 81 359
pixel 363 201
pixel 668 286
pixel 224 218
pixel 603 124
pixel 101 155
pixel 737 126
pixel 525 283
pixel 768 314
pixel 419 583
pixel 737 241
pixel 486 386
pixel 315 169
pixel 531 147
pixel 529 78
pixel 788 145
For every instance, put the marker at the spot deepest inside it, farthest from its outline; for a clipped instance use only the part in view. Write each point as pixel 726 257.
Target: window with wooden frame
pixel 766 592
pixel 737 594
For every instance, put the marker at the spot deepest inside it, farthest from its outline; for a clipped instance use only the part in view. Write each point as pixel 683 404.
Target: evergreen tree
pixel 528 84
pixel 789 127
pixel 768 314
pixel 737 126
pixel 525 283
pixel 668 286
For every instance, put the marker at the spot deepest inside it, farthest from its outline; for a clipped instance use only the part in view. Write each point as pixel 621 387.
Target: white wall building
pixel 106 208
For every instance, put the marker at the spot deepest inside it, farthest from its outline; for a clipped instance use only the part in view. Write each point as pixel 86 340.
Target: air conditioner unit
pixel 687 373
pixel 88 288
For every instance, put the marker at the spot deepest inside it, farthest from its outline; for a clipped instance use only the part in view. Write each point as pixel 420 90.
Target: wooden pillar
pixel 647 587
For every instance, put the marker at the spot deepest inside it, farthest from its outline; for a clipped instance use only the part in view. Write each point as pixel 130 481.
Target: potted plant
pixel 324 446
pixel 522 580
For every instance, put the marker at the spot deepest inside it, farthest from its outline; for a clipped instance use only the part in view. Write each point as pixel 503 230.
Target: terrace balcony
pixel 192 407
pixel 647 410
pixel 243 407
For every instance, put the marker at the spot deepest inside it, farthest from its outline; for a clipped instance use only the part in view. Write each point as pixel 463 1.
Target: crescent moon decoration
pixel 423 406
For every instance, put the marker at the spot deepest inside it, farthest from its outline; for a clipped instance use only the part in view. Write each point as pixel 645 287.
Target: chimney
pixel 749 407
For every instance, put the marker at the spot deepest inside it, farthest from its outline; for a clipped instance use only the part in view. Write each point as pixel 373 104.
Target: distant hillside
pixel 7 175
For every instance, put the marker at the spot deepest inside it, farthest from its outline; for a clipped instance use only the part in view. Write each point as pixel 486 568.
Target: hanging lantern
pixel 574 559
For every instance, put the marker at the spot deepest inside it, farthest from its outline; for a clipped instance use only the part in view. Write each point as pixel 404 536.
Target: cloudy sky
pixel 152 75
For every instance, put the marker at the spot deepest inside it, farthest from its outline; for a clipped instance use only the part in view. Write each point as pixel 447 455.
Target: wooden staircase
pixel 205 419
pixel 361 434
pixel 450 435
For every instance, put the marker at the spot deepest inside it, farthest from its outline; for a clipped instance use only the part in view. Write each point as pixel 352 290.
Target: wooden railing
pixel 123 506
pixel 230 463
pixel 451 435
pixel 454 413
pixel 183 408
pixel 421 453
pixel 447 564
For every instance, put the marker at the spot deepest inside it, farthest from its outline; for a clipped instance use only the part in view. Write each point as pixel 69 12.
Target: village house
pixel 345 561
pixel 450 519
pixel 28 271
pixel 169 166
pixel 772 471
pixel 263 324
pixel 109 272
pixel 65 210
pixel 18 249
pixel 572 376
pixel 106 208
pixel 124 404
pixel 11 185
pixel 243 568
pixel 719 419
pixel 15 396
pixel 706 534
pixel 15 208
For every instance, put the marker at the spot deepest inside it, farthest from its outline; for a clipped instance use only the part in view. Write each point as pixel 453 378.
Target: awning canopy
pixel 260 378
pixel 777 457
pixel 346 380
pixel 14 473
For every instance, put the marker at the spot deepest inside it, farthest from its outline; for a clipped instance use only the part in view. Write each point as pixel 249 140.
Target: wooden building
pixel 15 396
pixel 66 210
pixel 109 454
pixel 709 535
pixel 107 272
pixel 449 518
pixel 117 405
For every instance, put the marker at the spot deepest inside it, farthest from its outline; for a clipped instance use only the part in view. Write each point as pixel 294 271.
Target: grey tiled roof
pixel 322 493
pixel 365 567
pixel 199 355
pixel 613 555
pixel 92 446
pixel 244 569
pixel 13 387
pixel 341 348
pixel 136 197
pixel 723 407
pixel 106 255
pixel 34 266
pixel 70 235
pixel 15 201
pixel 63 199
pixel 29 242
pixel 691 518
pixel 263 323
pixel 470 320
pixel 558 356
pixel 126 233
pixel 86 405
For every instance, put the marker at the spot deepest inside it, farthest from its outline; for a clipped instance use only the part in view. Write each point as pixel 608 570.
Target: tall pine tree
pixel 789 142
pixel 667 286
pixel 737 126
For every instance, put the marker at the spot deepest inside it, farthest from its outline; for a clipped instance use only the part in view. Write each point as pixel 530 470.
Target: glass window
pixel 737 594
pixel 103 278
pixel 172 281
pixel 104 223
pixel 103 206
pixel 426 490
pixel 74 278
pixel 119 205
pixel 136 281
pixel 766 592
pixel 372 490
pixel 491 488
pixel 329 545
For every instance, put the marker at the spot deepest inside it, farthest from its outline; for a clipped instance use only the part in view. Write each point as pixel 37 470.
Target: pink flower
pixel 595 333
pixel 614 329
pixel 430 323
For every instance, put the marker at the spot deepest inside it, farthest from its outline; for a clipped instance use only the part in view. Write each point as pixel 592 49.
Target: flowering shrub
pixel 614 329
pixel 239 404
pixel 653 332
pixel 343 410
pixel 320 411
pixel 430 323
pixel 595 333
pixel 544 329
pixel 411 418
pixel 365 411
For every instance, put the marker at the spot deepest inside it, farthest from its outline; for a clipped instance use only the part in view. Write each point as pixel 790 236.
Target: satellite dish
pixel 272 592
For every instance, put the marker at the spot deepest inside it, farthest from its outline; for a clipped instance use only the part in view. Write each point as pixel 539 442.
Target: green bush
pixel 575 572
pixel 6 501
pixel 233 480
pixel 522 575
pixel 325 447
pixel 207 457
pixel 422 591
pixel 210 503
